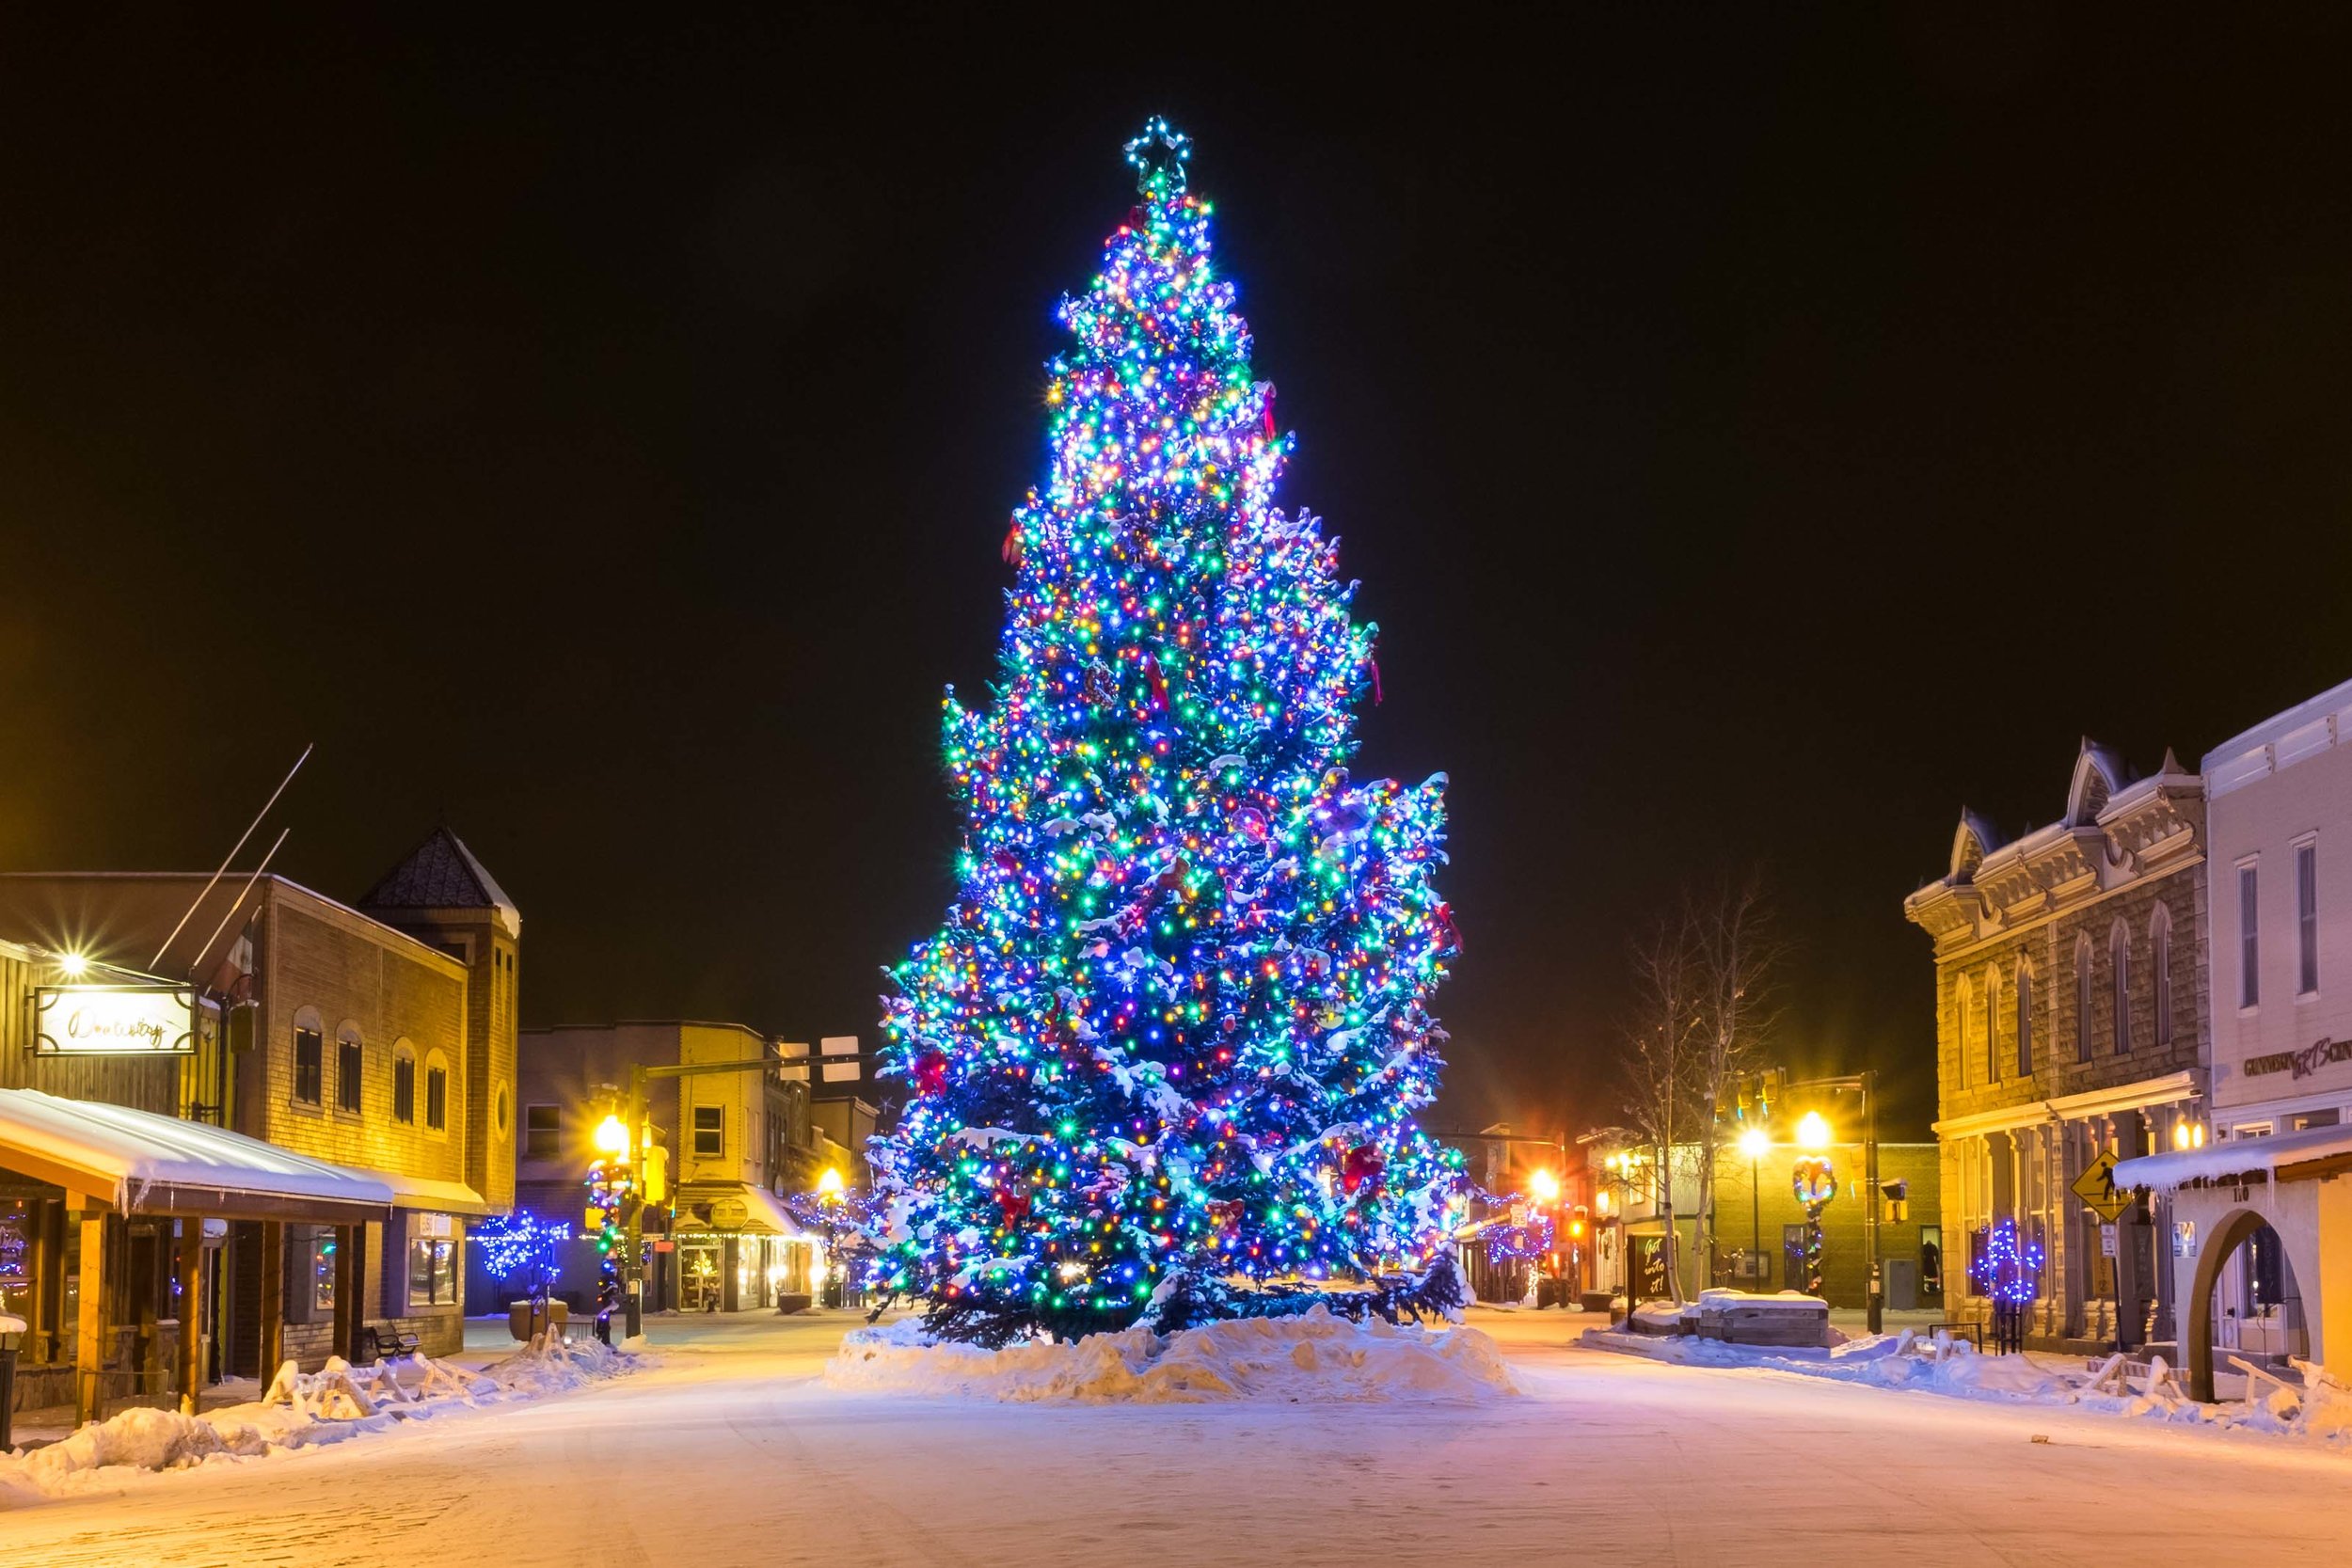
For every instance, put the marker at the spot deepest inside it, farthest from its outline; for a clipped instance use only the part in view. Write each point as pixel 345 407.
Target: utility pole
pixel 1865 1084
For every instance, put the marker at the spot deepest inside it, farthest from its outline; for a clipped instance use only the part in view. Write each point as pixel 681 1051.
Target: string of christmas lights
pixel 1174 1028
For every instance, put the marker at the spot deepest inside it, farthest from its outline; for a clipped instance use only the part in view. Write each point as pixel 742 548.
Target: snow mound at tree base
pixel 1314 1358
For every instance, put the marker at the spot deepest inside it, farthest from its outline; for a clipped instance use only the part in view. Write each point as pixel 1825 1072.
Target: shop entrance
pixel 2245 1299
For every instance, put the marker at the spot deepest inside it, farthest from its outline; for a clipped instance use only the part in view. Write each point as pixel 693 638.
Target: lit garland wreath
pixel 1814 1182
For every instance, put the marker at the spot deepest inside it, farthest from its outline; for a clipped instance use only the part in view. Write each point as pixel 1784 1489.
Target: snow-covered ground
pixel 731 1448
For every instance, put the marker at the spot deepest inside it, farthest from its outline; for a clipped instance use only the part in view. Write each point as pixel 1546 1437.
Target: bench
pixel 378 1343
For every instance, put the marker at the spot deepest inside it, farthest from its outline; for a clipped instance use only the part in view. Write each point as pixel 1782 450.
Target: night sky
pixel 1753 439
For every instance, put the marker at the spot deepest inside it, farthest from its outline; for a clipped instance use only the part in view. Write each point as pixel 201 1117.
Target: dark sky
pixel 1755 439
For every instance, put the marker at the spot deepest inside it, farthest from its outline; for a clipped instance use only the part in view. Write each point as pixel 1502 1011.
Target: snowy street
pixel 731 1451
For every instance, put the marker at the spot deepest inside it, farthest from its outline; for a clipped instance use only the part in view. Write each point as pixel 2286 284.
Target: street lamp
pixel 1813 1131
pixel 1545 1185
pixel 1753 1143
pixel 611 1137
pixel 829 1186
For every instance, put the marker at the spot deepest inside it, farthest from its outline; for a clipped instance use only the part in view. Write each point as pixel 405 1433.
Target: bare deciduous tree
pixel 1735 955
pixel 1662 1060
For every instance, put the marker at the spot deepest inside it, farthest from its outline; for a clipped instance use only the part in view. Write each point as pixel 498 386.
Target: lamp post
pixel 1753 1143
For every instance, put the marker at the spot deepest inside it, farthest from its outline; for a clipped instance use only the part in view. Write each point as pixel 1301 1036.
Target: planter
pixel 525 1323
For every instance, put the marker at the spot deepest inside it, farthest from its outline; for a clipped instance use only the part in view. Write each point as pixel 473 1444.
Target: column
pixel 347 1240
pixel 89 1399
pixel 273 1298
pixel 191 1308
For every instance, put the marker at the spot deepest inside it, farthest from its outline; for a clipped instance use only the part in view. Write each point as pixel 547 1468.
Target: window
pixel 432 1270
pixel 310 1054
pixel 542 1136
pixel 1993 1027
pixel 347 1071
pixel 2082 998
pixel 2120 959
pixel 404 1089
pixel 2304 1122
pixel 711 1132
pixel 322 1271
pixel 2250 989
pixel 2160 957
pixel 437 1099
pixel 2306 919
pixel 2024 1022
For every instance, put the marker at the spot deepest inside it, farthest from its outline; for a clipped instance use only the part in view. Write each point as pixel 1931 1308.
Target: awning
pixel 734 1208
pixel 420 1192
pixel 2258 1158
pixel 145 1164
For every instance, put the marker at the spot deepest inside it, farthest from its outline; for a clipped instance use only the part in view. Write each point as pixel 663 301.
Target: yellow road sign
pixel 2096 1187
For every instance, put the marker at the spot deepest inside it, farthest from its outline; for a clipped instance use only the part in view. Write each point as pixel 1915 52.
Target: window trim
pixel 717 1130
pixel 1993 1026
pixel 314 1034
pixel 2025 1018
pixel 347 1038
pixel 2085 994
pixel 2120 984
pixel 2306 918
pixel 437 1067
pixel 2249 927
pixel 554 1132
pixel 404 1105
pixel 2160 972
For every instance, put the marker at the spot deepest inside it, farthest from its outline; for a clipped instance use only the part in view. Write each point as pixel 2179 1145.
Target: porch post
pixel 191 1308
pixel 273 1298
pixel 347 1241
pixel 89 1402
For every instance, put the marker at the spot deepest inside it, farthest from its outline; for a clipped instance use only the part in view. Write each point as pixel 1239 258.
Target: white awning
pixel 2260 1157
pixel 422 1191
pixel 142 1162
pixel 763 1214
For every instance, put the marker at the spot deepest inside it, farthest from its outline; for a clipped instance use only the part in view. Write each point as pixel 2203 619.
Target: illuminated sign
pixel 113 1020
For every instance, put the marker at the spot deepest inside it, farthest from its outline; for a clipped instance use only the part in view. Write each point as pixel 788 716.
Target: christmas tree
pixel 1165 1053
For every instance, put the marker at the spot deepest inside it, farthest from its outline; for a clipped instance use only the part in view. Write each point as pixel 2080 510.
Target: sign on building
pixel 113 1020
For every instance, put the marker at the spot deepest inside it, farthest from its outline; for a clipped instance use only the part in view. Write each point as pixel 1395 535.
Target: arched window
pixel 2120 959
pixel 1992 1025
pixel 309 1057
pixel 2160 965
pixel 403 1082
pixel 348 1058
pixel 436 1093
pixel 2082 997
pixel 2025 1019
pixel 1962 998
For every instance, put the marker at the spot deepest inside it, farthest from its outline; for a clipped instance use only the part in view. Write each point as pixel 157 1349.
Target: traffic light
pixel 1579 1217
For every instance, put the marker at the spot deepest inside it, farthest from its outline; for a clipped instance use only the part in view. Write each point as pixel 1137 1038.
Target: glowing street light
pixel 1755 1143
pixel 829 1186
pixel 1545 1185
pixel 73 965
pixel 612 1135
pixel 1813 1132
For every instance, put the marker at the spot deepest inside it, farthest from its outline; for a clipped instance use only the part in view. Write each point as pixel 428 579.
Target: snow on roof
pixel 2234 1157
pixel 763 1214
pixel 422 1191
pixel 130 1151
pixel 2279 726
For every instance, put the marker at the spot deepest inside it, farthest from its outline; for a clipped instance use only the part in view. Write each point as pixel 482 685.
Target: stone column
pixel 191 1277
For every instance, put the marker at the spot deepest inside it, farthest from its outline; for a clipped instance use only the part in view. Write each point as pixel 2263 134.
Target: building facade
pixel 319 1029
pixel 2259 1215
pixel 2070 978
pixel 737 1140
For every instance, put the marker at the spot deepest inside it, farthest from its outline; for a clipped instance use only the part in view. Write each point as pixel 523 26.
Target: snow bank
pixel 2320 1411
pixel 1315 1358
pixel 300 1410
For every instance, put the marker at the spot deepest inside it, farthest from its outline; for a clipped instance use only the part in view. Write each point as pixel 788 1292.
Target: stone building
pixel 2071 973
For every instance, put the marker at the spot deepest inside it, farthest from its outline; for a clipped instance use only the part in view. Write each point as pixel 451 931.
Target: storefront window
pixel 431 1272
pixel 323 1271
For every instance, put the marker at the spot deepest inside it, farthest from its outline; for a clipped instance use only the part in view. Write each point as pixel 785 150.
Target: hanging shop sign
pixel 2301 1063
pixel 113 1020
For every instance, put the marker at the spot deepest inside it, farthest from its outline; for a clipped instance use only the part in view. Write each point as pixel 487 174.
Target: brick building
pixel 381 1046
pixel 2071 969
pixel 736 1143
